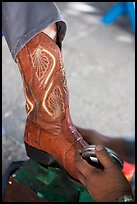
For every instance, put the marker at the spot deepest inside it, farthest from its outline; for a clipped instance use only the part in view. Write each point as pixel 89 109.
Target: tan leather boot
pixel 49 128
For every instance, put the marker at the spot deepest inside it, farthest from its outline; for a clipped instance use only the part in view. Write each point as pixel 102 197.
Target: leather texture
pixel 48 126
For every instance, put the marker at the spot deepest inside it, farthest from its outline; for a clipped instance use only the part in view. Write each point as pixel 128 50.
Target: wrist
pixel 121 196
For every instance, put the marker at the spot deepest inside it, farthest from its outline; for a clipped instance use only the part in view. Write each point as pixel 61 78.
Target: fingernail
pixel 98 147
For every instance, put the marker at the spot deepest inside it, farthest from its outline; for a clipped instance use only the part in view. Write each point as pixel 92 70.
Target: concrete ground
pixel 100 67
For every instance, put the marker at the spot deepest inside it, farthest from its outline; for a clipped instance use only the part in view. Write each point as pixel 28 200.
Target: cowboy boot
pixel 49 129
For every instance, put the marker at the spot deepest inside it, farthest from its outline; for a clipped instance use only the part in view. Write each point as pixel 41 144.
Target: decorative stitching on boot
pixel 40 58
pixel 55 103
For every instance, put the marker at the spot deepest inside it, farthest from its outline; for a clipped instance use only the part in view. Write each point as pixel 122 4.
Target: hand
pixel 125 149
pixel 103 185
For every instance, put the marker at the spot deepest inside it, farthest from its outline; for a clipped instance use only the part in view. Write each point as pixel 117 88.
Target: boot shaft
pixel 45 85
pixel 49 128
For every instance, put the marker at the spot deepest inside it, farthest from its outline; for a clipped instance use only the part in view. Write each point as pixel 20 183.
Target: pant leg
pixel 21 21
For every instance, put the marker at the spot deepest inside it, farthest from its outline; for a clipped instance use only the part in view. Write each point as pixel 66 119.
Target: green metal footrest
pixel 51 183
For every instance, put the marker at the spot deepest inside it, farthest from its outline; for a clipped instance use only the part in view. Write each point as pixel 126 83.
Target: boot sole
pixel 39 155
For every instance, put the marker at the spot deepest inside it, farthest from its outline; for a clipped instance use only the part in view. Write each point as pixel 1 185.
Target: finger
pixel 81 178
pixel 104 157
pixel 83 166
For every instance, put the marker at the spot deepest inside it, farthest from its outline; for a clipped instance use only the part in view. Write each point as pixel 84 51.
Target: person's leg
pixel 49 128
pixel 23 20
pixel 51 31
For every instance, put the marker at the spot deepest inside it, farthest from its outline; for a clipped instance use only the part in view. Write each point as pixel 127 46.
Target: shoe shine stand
pixel 33 182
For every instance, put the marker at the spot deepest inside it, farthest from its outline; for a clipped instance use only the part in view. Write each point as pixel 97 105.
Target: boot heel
pixel 45 159
pixel 38 155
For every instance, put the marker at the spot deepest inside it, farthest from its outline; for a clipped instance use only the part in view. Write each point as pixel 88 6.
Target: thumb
pixel 104 157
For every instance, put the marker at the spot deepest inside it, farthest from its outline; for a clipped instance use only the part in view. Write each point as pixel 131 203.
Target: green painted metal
pixel 51 183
